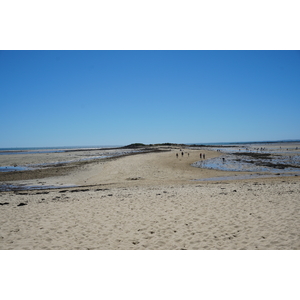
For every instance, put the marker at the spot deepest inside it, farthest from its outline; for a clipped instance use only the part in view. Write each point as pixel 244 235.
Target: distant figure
pixel 203 156
pixel 188 154
pixel 200 155
pixel 182 154
pixel 223 160
pixel 176 155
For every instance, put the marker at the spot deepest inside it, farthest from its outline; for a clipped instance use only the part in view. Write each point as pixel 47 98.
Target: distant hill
pixel 141 145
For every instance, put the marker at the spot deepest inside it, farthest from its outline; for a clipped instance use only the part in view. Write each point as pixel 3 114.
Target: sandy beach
pixel 147 201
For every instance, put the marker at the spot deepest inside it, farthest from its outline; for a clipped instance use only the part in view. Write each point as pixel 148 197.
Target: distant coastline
pixel 64 148
pixel 247 143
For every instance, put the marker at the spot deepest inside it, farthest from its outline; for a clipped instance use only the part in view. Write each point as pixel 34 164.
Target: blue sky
pixel 86 98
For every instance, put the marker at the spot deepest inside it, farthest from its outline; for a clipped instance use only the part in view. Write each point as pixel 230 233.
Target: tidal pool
pixel 252 163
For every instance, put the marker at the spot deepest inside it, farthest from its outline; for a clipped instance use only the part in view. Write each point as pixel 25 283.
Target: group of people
pixel 182 153
pixel 202 155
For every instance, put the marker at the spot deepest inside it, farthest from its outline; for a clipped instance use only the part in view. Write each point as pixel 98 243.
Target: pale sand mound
pixel 147 169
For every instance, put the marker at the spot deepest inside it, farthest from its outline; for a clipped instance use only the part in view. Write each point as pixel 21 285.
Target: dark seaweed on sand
pixel 255 155
pixel 260 162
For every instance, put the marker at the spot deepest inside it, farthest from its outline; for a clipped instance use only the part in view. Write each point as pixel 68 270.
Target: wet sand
pixel 151 201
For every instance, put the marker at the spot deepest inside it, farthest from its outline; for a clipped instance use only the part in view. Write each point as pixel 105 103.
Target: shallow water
pixel 29 152
pixel 275 161
pixel 250 164
pixel 35 150
pixel 11 187
pixel 11 168
pixel 273 158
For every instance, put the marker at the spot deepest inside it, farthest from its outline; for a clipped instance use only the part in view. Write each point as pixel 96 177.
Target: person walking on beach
pixel 182 153
pixel 203 156
pixel 200 155
pixel 176 155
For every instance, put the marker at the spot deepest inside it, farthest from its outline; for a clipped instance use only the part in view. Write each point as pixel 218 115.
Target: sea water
pixel 248 164
pixel 274 158
pixel 36 150
pixel 12 168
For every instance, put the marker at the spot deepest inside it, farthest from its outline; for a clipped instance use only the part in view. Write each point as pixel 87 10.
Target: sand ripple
pixel 246 215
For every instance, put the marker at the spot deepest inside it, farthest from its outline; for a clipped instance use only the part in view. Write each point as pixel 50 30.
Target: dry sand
pixel 150 201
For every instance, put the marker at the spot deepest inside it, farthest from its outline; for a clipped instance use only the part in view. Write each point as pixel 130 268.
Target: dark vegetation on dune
pixel 141 145
pixel 135 145
pixel 213 146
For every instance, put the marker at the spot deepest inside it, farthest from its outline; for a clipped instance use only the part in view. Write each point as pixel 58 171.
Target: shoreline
pixel 52 169
pixel 150 201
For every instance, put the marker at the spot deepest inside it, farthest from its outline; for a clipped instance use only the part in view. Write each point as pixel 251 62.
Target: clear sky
pixel 86 98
